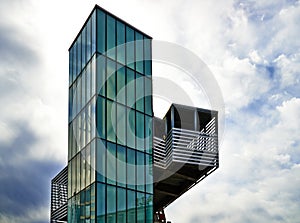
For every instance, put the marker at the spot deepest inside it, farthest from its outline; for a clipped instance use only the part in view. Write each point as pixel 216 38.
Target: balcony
pixel 185 151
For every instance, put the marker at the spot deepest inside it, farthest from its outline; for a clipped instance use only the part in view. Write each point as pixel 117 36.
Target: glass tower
pixel 110 157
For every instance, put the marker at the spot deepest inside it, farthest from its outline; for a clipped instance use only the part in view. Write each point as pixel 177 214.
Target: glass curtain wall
pixel 110 123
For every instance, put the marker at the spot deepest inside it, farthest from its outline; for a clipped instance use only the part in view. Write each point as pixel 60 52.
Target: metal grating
pixel 59 193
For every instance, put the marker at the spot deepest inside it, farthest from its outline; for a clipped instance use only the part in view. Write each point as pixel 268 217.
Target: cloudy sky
pixel 251 47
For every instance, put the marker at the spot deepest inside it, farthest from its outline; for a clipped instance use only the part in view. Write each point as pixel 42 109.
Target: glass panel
pixel 101 37
pixel 73 65
pixel 111 121
pixel 101 160
pixel 88 165
pixel 140 127
pixel 93 33
pixel 101 198
pixel 93 202
pixel 83 170
pixel 78 175
pixel 121 166
pixel 149 174
pixel 78 91
pixel 121 124
pixel 88 40
pixel 139 83
pixel 131 181
pixel 148 96
pixel 79 55
pixel 121 199
pixel 149 208
pixel 140 207
pixel 83 88
pixel 129 47
pixel 131 205
pixel 139 49
pixel 69 179
pixel 131 128
pixel 73 177
pixel 70 66
pixel 101 77
pixel 82 204
pixel 93 118
pixel 120 42
pixel 111 37
pixel 93 163
pixel 148 134
pixel 130 88
pixel 121 84
pixel 111 79
pixel 111 204
pixel 93 71
pixel 111 163
pixel 88 122
pixel 101 117
pixel 88 82
pixel 140 171
pixel 147 56
pixel 83 47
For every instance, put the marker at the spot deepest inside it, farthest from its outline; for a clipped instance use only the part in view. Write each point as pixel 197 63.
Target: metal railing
pixel 187 146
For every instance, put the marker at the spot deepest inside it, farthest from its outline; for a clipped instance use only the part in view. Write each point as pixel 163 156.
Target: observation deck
pixel 185 151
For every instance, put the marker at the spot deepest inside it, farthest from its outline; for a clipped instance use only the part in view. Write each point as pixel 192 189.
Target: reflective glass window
pixel 121 124
pixel 93 118
pixel 111 37
pixel 93 35
pixel 120 42
pixel 93 163
pixel 130 87
pixel 101 75
pixel 88 40
pixel 130 128
pixel 111 164
pixel 147 56
pixel 139 83
pixel 70 66
pixel 79 55
pixel 111 121
pixel 121 205
pixel 111 79
pixel 83 170
pixel 149 173
pixel 101 160
pixel 88 165
pixel 111 204
pixel 130 47
pixel 101 117
pixel 83 88
pixel 131 172
pixel 140 207
pixel 131 206
pixel 149 208
pixel 101 197
pixel 88 82
pixel 93 76
pixel 139 52
pixel 101 37
pixel 140 127
pixel 121 84
pixel 78 175
pixel 140 171
pixel 83 47
pixel 121 166
pixel 148 96
pixel 148 134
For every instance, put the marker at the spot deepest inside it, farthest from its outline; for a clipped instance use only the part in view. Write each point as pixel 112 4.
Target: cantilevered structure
pixel 124 165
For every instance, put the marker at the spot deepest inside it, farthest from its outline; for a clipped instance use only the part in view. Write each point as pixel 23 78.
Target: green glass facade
pixel 110 157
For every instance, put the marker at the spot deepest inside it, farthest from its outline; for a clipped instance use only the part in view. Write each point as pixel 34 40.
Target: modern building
pixel 124 165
